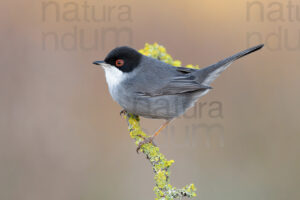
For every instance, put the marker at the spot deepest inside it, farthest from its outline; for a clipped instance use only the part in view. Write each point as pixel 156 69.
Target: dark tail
pixel 210 73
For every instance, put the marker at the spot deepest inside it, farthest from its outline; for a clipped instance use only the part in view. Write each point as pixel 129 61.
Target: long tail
pixel 210 73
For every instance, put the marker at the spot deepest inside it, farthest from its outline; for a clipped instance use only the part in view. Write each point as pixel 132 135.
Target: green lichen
pixel 160 165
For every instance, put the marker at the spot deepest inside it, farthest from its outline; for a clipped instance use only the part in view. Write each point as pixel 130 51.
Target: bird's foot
pixel 123 112
pixel 145 141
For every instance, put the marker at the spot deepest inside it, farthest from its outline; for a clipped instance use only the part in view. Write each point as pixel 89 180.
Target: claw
pixel 123 112
pixel 145 141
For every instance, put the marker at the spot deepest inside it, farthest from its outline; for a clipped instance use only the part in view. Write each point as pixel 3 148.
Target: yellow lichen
pixel 159 52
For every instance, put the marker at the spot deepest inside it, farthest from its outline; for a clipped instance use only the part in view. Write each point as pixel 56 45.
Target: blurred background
pixel 61 136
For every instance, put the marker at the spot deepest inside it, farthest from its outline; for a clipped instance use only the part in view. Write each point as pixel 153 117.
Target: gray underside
pixel 159 107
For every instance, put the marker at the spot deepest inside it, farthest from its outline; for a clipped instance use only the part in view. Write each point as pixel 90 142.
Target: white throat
pixel 113 76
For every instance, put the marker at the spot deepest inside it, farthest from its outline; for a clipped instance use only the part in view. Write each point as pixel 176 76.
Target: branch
pixel 160 165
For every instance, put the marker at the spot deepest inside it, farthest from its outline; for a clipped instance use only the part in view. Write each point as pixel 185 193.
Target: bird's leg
pixel 162 127
pixel 150 139
pixel 123 112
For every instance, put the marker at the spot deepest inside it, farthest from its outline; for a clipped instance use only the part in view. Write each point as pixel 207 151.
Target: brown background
pixel 61 137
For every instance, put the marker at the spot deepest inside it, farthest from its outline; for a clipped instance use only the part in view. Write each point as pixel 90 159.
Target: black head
pixel 124 58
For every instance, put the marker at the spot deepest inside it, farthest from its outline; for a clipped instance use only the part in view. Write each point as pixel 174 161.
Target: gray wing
pixel 183 82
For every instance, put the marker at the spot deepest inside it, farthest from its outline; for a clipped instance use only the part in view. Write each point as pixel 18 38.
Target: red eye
pixel 119 62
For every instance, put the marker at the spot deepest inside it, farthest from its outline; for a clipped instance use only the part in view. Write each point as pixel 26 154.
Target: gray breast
pixel 159 107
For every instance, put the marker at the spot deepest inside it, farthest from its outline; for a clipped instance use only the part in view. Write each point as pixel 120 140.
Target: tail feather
pixel 210 73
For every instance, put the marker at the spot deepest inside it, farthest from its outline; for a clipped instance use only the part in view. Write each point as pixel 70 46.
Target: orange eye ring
pixel 119 62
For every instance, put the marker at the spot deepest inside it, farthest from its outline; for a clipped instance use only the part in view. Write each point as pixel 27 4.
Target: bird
pixel 150 88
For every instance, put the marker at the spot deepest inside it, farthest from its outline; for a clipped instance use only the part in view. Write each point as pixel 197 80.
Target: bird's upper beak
pixel 98 62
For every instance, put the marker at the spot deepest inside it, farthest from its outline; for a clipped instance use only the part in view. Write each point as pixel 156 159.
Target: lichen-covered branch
pixel 159 52
pixel 160 165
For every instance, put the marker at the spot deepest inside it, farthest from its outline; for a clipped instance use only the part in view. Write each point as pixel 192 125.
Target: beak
pixel 98 62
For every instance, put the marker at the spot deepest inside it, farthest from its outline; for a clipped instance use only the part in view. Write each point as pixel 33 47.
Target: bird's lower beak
pixel 98 62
